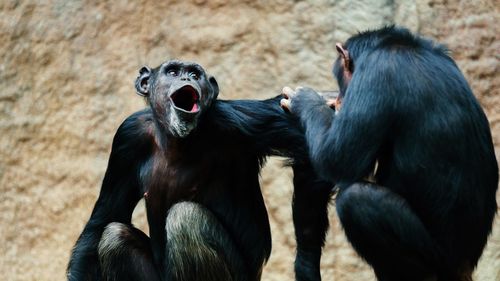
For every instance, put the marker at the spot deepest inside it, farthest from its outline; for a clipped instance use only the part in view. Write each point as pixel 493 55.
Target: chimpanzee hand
pixel 294 101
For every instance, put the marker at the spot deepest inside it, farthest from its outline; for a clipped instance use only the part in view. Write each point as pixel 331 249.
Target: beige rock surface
pixel 66 80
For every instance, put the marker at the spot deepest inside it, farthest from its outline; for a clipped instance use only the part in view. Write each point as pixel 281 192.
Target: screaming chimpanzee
pixel 408 115
pixel 196 160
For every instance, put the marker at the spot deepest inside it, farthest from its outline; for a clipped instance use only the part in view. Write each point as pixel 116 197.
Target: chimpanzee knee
pixel 383 229
pixel 198 247
pixel 124 254
pixel 112 239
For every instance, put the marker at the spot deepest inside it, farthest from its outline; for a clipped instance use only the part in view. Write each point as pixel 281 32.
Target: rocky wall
pixel 66 83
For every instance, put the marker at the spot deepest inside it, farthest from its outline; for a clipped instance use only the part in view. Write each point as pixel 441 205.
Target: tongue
pixel 195 108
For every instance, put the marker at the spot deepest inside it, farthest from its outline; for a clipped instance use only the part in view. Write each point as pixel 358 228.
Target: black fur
pixel 409 109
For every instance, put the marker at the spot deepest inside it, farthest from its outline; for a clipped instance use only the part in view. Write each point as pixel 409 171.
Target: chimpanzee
pixel 408 115
pixel 196 160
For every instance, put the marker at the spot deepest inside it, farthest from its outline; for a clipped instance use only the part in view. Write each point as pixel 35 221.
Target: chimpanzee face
pixel 178 93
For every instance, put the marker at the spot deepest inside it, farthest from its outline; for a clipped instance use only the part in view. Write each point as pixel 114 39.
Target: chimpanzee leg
pixel 310 219
pixel 198 246
pixel 384 230
pixel 125 254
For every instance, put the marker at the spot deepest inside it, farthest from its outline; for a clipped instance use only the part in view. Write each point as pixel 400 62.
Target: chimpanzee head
pixel 178 93
pixel 357 47
pixel 350 52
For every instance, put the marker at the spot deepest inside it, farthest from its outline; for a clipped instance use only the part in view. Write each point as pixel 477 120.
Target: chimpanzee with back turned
pixel 407 110
pixel 196 160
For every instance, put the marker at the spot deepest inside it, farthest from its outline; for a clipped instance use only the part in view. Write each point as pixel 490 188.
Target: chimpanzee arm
pixel 269 129
pixel 343 147
pixel 118 197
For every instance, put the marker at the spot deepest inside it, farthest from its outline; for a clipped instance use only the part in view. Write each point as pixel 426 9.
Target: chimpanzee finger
pixel 286 105
pixel 287 92
pixel 331 103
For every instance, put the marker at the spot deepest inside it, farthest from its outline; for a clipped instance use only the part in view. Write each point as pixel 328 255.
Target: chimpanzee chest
pixel 198 168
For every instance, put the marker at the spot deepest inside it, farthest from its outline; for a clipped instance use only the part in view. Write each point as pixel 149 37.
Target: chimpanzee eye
pixel 172 72
pixel 193 75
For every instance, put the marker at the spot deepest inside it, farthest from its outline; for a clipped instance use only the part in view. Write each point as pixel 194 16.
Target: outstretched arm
pixel 270 130
pixel 120 192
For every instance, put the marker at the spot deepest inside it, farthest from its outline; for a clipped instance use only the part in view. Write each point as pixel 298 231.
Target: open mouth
pixel 186 98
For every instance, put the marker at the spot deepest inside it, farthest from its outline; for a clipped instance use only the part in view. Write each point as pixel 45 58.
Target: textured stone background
pixel 66 80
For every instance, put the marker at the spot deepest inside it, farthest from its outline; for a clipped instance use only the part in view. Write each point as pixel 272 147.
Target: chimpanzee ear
pixel 214 85
pixel 346 59
pixel 142 81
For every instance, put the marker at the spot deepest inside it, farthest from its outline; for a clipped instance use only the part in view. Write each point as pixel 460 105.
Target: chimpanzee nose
pixel 185 78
